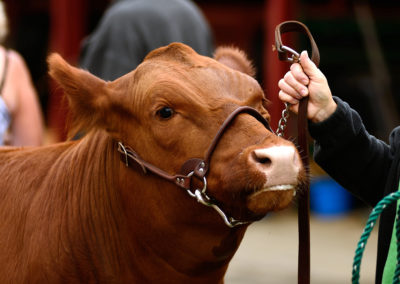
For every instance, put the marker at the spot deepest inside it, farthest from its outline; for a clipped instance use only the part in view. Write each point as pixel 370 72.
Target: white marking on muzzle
pixel 281 166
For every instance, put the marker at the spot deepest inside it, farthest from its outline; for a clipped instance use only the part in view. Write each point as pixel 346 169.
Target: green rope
pixel 393 197
pixel 396 276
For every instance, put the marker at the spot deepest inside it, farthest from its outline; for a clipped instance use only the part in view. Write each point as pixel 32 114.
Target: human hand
pixel 305 79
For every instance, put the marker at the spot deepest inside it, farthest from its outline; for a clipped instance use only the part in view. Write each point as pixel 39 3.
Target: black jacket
pixel 361 163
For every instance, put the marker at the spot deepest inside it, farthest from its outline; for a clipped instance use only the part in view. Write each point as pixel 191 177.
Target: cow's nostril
pixel 264 161
pixel 261 159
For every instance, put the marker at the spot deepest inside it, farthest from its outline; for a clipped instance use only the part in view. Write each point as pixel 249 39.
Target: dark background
pixel 359 43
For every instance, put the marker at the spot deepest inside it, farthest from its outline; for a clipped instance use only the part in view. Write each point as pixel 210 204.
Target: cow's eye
pixel 165 112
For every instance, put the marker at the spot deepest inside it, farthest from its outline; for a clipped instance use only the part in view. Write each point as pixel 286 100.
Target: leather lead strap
pixel 287 54
pixel 303 274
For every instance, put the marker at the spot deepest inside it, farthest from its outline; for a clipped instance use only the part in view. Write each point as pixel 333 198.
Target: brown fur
pixel 73 213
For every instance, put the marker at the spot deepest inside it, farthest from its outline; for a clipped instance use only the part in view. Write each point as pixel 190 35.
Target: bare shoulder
pixel 16 60
pixel 2 49
pixel 18 85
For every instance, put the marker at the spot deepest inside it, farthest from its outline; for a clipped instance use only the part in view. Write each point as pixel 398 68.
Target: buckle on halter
pixel 129 153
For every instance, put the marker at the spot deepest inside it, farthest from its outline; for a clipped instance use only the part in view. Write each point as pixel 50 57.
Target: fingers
pixel 298 74
pixel 294 103
pixel 308 67
pixel 291 86
pixel 285 97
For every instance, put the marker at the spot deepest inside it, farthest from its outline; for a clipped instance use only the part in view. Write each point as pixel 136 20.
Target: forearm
pixel 346 151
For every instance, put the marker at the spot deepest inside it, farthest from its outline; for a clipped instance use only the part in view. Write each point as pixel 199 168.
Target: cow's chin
pixel 270 199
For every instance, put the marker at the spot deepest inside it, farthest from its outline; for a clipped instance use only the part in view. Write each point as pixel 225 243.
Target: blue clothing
pixel 5 120
pixel 5 117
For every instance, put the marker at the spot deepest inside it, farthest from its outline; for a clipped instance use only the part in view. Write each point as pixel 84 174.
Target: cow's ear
pixel 235 59
pixel 88 97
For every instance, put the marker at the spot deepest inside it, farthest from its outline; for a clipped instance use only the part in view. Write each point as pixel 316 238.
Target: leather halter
pixel 195 167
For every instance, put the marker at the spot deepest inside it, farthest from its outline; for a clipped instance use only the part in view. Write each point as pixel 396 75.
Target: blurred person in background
pixel 130 29
pixel 363 164
pixel 21 121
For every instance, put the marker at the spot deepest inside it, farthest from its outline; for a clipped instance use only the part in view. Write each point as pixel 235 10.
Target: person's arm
pixel 27 121
pixel 353 157
pixel 343 147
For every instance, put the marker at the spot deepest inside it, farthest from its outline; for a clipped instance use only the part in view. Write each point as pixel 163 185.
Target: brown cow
pixel 74 212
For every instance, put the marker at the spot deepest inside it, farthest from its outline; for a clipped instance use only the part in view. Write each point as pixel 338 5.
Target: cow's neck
pixel 174 234
pixel 154 229
pixel 96 243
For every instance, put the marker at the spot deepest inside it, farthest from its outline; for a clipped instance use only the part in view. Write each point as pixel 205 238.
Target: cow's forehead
pixel 180 67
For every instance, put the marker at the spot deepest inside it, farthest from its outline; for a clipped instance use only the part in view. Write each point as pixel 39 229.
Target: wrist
pixel 325 113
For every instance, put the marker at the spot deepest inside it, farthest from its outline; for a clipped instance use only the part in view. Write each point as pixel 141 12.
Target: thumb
pixel 308 66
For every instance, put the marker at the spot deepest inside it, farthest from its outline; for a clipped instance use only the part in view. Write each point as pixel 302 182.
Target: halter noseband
pixel 195 167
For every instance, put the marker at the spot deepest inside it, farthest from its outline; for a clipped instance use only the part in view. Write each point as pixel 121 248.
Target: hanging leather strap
pixel 303 273
pixel 287 54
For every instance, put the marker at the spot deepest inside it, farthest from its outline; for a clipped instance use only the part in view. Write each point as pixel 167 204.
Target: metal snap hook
pixel 206 200
pixel 295 55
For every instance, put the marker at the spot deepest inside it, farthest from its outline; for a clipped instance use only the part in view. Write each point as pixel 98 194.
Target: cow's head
pixel 170 108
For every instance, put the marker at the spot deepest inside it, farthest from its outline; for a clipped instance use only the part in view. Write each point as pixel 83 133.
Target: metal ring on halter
pixel 204 186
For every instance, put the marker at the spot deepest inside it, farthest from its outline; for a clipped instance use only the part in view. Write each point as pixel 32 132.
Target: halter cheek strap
pixel 195 167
